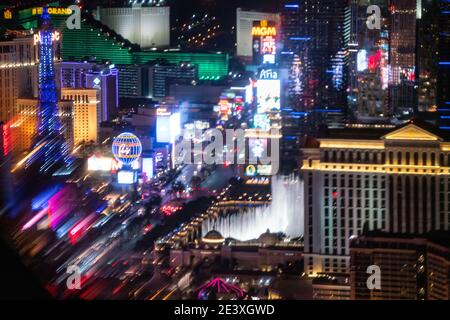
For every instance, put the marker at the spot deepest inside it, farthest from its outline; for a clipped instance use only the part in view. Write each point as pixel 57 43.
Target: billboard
pixel 269 59
pixel 261 121
pixel 362 63
pixel 253 170
pixel 268 94
pixel 147 167
pixel 257 148
pixel 249 92
pixel 126 177
pixel 268 45
pixel 168 126
pixel 99 163
pixel 264 41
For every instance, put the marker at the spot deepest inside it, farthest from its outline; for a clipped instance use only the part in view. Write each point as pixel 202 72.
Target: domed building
pixel 213 237
pixel 269 239
pixel 266 252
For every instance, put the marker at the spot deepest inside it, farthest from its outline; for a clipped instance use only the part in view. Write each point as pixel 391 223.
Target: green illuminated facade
pixel 88 41
pixel 92 41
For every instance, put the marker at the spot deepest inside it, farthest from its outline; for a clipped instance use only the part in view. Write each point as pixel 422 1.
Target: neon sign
pixel 52 11
pixel 264 30
pixel 268 74
pixel 7 141
pixel 55 37
pixel 7 14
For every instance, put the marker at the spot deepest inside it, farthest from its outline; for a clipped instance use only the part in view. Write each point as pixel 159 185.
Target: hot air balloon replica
pixel 126 148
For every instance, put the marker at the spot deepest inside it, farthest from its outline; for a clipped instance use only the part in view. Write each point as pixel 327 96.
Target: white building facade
pixel 146 26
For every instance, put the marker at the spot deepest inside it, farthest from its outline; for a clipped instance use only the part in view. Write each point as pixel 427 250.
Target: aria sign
pixel 268 74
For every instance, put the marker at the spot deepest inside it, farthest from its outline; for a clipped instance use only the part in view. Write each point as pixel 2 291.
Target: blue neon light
pixel 299 113
pixel 328 110
pixel 300 38
pixel 41 200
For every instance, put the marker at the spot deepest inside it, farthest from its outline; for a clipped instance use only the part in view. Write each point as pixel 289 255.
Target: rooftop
pixel 441 238
pixel 378 132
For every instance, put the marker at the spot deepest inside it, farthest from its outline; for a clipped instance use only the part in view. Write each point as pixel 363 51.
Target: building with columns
pixel 394 180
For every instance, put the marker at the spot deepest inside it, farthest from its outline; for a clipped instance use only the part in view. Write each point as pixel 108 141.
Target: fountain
pixel 284 214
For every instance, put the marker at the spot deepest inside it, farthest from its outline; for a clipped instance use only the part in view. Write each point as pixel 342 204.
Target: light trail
pixel 35 219
pixel 76 149
pixel 28 156
pixel 169 294
pixel 158 292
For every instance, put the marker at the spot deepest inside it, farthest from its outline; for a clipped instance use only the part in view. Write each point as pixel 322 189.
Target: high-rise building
pixel 395 180
pixel 66 110
pixel 96 41
pixel 369 57
pixel 146 26
pixel 331 287
pixel 290 26
pixel 244 25
pixel 106 82
pixel 427 54
pixel 412 267
pixel 162 76
pixel 293 56
pixel 18 71
pixel 443 72
pixel 315 37
pixel 85 104
pixel 402 57
pixel 295 119
pixel 25 124
pixel 133 80
pixel 85 75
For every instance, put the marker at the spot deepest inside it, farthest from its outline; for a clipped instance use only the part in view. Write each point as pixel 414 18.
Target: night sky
pixel 223 9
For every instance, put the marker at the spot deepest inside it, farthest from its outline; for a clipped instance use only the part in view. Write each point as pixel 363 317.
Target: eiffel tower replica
pixel 49 149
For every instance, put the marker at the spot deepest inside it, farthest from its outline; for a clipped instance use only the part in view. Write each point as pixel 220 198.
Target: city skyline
pixel 275 150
